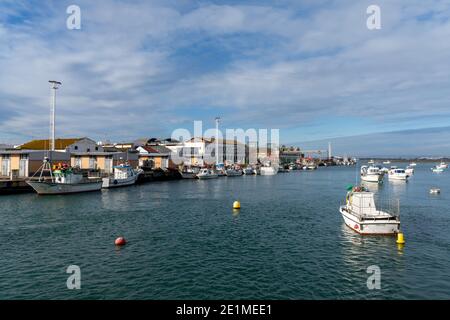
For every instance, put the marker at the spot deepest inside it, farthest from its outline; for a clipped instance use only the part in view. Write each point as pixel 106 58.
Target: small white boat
pixel 371 162
pixel 124 175
pixel 268 171
pixel 442 165
pixel 413 164
pixel 361 214
pixel 233 172
pixel 398 174
pixel 409 170
pixel 387 162
pixel 310 167
pixel 371 174
pixel 206 174
pixel 249 171
pixel 435 191
pixel 437 169
pixel 63 181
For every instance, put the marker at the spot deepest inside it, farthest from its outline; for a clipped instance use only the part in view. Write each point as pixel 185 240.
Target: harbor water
pixel 288 240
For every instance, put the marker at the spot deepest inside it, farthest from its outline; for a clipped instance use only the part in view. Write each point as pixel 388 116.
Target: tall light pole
pixel 54 86
pixel 217 140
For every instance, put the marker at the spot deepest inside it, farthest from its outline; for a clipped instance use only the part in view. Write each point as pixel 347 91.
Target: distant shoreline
pixel 419 160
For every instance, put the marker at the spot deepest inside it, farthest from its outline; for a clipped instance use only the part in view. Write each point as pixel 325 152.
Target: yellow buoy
pixel 400 238
pixel 236 205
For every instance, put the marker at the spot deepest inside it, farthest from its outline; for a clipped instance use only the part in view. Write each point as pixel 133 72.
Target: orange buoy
pixel 120 241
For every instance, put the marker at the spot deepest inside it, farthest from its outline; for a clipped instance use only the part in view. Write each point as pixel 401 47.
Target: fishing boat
pixel 123 176
pixel 310 167
pixel 249 171
pixel 361 214
pixel 188 173
pixel 268 171
pixel 387 162
pixel 413 164
pixel 232 172
pixel 206 174
pixel 398 174
pixel 371 174
pixel 62 181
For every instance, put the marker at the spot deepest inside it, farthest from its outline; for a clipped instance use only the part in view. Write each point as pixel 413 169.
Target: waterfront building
pixel 155 156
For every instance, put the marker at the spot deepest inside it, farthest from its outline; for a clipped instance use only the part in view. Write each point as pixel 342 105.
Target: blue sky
pixel 310 68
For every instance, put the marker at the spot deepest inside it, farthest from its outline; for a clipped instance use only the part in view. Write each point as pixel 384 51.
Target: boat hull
pixel 370 226
pixel 188 175
pixel 207 176
pixel 372 178
pixel 49 188
pixel 109 183
pixel 268 171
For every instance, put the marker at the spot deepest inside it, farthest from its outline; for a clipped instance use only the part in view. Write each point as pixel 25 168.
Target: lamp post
pixel 217 140
pixel 54 86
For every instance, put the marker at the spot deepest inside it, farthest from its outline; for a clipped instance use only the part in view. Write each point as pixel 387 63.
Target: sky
pixel 309 68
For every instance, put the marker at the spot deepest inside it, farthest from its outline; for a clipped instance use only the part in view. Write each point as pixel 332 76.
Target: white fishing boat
pixel 409 170
pixel 398 174
pixel 206 174
pixel 124 175
pixel 361 214
pixel 233 172
pixel 387 162
pixel 371 174
pixel 249 171
pixel 62 181
pixel 435 191
pixel 413 164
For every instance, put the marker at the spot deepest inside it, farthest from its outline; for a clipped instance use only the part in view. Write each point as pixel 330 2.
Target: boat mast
pixel 54 86
pixel 217 140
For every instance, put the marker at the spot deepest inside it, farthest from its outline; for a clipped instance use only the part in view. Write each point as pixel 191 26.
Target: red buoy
pixel 120 241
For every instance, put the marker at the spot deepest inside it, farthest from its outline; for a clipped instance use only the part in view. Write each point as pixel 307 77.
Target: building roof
pixel 60 144
pixel 212 139
pixel 157 149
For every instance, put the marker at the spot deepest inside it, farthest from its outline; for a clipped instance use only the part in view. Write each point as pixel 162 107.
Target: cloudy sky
pixel 311 68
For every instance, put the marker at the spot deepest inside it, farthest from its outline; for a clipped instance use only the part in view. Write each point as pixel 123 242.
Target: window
pixel 76 147
pixel 96 148
pixel 88 150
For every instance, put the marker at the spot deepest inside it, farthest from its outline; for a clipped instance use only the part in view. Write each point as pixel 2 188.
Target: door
pixel 23 165
pixel 108 165
pixel 6 165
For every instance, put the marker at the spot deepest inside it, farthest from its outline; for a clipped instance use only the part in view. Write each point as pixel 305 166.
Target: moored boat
pixel 249 171
pixel 371 174
pixel 123 176
pixel 398 174
pixel 233 172
pixel 361 214
pixel 206 174
pixel 62 181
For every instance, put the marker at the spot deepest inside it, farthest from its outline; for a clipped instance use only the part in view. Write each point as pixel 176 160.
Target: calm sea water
pixel 185 242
